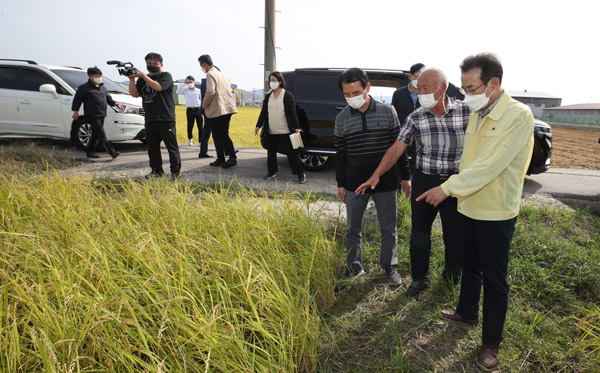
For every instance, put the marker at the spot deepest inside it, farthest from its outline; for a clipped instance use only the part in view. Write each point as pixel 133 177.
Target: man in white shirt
pixel 194 111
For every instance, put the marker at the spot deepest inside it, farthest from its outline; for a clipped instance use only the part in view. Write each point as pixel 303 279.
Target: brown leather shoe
pixel 451 315
pixel 488 356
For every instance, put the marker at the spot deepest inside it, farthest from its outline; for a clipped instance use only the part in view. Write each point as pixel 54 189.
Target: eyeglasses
pixel 470 91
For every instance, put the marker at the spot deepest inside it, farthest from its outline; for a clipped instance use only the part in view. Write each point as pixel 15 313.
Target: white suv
pixel 35 101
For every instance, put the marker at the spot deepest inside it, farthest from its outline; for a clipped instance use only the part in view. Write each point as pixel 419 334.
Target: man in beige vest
pixel 218 107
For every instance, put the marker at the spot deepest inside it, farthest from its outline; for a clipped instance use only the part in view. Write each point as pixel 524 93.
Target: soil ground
pixel 575 149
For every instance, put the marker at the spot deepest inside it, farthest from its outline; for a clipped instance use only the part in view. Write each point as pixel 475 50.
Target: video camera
pixel 124 68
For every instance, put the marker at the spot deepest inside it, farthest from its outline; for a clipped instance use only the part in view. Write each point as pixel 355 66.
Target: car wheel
pixel 313 162
pixel 81 133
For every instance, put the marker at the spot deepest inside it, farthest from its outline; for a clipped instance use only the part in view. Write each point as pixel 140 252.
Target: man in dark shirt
pixel 95 99
pixel 156 90
pixel 363 132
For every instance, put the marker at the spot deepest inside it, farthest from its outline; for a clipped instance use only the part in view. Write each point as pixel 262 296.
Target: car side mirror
pixel 49 88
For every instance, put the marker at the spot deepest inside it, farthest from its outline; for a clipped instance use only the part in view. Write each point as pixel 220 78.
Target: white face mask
pixel 428 101
pixel 203 69
pixel 356 102
pixel 274 85
pixel 477 102
pixel 97 80
pixel 191 85
pixel 414 83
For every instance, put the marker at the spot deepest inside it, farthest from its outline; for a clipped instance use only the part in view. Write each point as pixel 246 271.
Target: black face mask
pixel 153 69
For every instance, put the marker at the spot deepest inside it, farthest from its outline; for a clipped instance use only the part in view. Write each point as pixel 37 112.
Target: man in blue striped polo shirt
pixel 363 132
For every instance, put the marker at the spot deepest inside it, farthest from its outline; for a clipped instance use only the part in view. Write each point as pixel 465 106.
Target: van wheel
pixel 313 162
pixel 81 133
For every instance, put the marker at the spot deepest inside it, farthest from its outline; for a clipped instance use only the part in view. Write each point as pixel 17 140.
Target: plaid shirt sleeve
pixel 407 130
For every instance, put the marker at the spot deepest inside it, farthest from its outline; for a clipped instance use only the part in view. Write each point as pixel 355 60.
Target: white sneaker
pixel 191 142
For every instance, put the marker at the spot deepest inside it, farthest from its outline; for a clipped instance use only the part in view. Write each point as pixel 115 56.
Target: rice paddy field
pixel 158 277
pixel 104 275
pixel 241 128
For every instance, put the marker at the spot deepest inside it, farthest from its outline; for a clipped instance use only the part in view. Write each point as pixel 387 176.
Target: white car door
pixel 9 116
pixel 40 113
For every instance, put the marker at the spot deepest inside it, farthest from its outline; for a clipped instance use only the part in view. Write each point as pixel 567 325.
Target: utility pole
pixel 270 59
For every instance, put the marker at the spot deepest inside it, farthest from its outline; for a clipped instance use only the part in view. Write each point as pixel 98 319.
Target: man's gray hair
pixel 441 77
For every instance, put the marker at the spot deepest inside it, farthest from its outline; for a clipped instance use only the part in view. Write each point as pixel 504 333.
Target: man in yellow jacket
pixel 496 154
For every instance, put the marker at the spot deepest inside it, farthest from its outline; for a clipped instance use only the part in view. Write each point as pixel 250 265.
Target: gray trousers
pixel 385 204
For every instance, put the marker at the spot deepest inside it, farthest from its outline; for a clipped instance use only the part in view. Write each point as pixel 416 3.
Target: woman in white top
pixel 278 116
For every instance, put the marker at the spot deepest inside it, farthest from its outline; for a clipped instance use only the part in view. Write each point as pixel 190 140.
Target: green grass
pixel 241 128
pixel 552 322
pixel 18 156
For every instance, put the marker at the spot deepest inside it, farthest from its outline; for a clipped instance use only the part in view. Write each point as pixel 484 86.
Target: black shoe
pixel 393 276
pixel 417 287
pixel 92 155
pixel 229 163
pixel 115 155
pixel 175 175
pixel 154 174
pixel 352 275
pixel 217 163
pixel 302 178
pixel 270 176
pixel 204 155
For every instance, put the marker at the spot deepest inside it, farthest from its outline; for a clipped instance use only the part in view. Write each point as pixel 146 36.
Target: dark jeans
pixel 165 132
pixel 486 248
pixel 220 132
pixel 282 144
pixel 194 114
pixel 98 137
pixel 423 215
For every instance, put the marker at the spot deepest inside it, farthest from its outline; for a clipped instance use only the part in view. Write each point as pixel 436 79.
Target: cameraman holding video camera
pixel 156 90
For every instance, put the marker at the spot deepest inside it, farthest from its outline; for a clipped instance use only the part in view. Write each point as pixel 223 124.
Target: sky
pixel 544 46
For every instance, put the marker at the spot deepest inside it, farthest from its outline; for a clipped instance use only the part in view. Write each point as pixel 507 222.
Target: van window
pixel 8 77
pixel 33 79
pixel 318 88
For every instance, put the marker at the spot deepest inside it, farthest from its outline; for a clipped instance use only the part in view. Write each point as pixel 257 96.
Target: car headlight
pixel 544 129
pixel 129 109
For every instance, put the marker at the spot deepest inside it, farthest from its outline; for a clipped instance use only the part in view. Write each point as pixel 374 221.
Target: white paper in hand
pixel 296 140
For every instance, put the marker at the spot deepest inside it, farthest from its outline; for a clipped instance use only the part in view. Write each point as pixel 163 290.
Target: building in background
pixel 577 114
pixel 537 101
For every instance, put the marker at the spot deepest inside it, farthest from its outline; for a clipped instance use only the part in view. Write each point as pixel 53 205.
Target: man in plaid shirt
pixel 438 130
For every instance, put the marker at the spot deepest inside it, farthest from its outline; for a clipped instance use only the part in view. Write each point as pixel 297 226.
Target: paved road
pixel 573 187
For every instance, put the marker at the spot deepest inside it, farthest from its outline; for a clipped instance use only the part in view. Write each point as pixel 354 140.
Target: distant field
pixel 574 148
pixel 241 129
